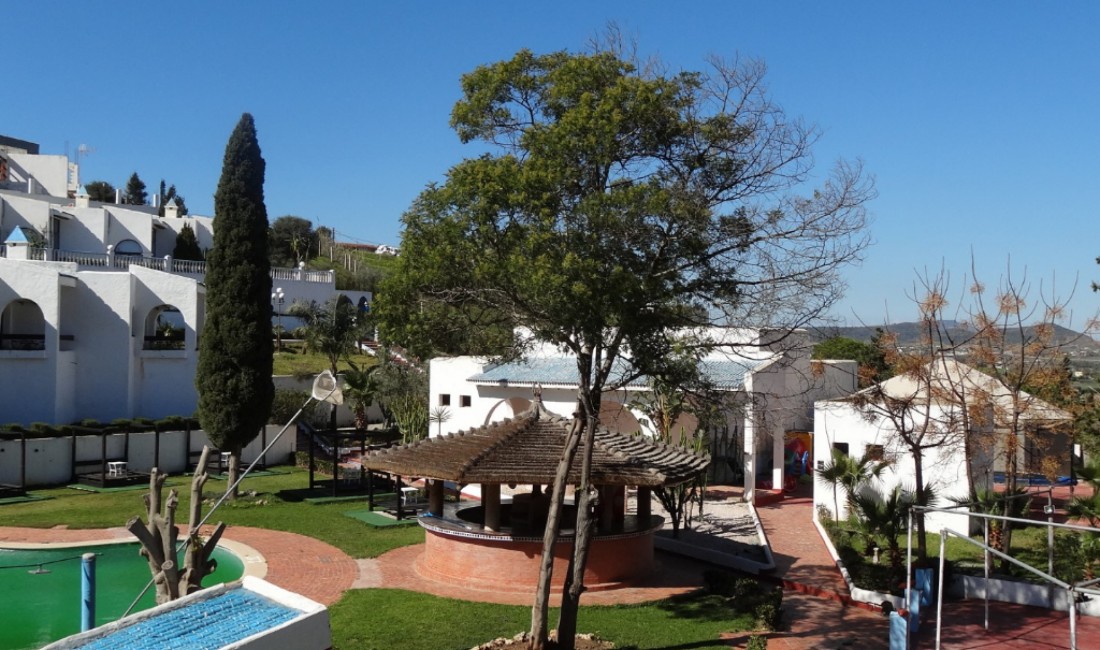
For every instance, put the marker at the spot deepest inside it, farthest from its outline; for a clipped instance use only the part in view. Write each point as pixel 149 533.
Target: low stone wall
pixel 503 563
pixel 1026 593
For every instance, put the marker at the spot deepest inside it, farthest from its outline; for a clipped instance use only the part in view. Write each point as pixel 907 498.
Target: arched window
pixel 22 326
pixel 128 247
pixel 164 329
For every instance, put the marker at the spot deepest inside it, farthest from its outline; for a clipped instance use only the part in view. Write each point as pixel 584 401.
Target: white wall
pixel 49 460
pixel 490 403
pixel 944 467
pixel 105 344
pixel 28 378
pixel 164 380
pixel 50 172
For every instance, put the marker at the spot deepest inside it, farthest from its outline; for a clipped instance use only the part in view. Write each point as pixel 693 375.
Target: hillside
pixel 909 334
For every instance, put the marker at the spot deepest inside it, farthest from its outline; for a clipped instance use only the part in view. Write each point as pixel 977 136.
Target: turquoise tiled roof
pixel 210 623
pixel 562 371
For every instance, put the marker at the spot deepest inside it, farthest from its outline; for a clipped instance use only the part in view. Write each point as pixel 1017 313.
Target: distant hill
pixel 910 333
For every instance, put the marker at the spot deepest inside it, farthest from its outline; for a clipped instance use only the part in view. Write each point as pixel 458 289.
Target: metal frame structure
pixel 1072 589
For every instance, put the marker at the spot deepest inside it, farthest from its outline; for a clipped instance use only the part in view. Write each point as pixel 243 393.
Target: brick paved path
pixel 816 600
pixel 295 562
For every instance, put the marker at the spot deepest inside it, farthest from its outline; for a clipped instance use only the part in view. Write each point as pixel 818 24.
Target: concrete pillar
pixel 606 512
pixel 644 506
pixel 435 497
pixel 778 457
pixel 490 502
pixel 749 458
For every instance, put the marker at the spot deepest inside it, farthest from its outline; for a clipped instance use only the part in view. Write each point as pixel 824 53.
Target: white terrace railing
pixel 166 264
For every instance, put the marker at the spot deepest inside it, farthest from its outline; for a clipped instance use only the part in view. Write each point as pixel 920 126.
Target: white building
pixel 862 425
pixel 769 390
pixel 96 318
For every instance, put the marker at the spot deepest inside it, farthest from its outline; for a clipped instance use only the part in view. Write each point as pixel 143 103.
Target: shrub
pixel 43 429
pixel 769 609
pixel 287 403
pixel 757 642
pixel 763 601
pixel 171 423
pixel 91 423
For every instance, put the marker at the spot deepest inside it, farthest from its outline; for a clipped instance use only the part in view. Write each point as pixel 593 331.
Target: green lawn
pixel 272 502
pixel 373 619
pixel 385 618
pixel 1029 544
pixel 293 360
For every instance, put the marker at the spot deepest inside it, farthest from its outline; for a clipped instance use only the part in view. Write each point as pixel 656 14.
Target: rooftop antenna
pixel 81 150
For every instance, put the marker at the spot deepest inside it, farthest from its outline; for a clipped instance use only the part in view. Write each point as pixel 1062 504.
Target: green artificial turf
pixel 377 519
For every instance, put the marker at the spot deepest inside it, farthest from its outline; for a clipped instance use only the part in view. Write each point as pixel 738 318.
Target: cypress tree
pixel 135 191
pixel 235 351
pixel 187 245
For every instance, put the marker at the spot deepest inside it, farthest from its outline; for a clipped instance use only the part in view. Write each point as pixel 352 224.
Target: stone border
pixel 858 595
pixel 253 562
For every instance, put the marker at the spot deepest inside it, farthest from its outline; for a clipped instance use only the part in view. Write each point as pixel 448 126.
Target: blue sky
pixel 977 119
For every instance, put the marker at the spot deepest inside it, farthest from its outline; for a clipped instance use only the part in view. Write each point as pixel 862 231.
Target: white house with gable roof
pixel 931 403
pixel 769 386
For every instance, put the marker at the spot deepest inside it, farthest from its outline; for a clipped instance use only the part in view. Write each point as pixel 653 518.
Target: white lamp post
pixel 277 299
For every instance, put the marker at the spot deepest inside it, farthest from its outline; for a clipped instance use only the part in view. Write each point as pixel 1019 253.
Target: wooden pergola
pixel 525 450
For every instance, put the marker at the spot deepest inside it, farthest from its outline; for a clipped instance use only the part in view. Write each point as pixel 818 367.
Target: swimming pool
pixel 41 605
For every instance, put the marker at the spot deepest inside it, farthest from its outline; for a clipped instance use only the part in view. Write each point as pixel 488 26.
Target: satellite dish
pixel 327 389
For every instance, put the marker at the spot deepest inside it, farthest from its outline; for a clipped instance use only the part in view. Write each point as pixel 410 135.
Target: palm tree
pixel 1087 507
pixel 850 474
pixel 360 389
pixel 885 517
pixel 439 415
pixel 989 502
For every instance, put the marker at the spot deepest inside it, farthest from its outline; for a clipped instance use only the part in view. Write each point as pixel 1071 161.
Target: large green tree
pixel 101 191
pixel 135 191
pixel 869 356
pixel 615 208
pixel 293 240
pixel 235 351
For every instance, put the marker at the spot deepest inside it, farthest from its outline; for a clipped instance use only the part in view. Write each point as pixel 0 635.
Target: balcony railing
pixel 166 264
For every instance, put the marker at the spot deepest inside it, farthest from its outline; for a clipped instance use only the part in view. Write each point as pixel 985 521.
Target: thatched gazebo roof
pixel 526 449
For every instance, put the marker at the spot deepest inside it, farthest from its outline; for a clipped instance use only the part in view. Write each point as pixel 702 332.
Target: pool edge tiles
pixel 250 613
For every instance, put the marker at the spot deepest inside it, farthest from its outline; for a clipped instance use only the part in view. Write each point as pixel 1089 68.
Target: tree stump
pixel 160 537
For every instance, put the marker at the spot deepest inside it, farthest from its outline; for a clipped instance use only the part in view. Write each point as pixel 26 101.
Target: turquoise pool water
pixel 39 608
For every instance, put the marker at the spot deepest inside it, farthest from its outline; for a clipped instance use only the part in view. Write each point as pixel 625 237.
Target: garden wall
pixel 49 461
pixel 1026 593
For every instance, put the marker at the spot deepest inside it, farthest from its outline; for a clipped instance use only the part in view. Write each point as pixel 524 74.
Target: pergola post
pixel 435 497
pixel 490 501
pixel 606 508
pixel 644 506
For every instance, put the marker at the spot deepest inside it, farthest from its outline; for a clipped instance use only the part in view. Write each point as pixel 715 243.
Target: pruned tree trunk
pixel 159 537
